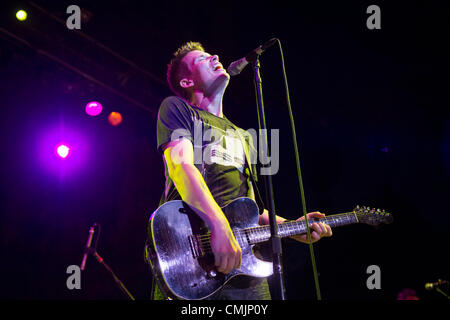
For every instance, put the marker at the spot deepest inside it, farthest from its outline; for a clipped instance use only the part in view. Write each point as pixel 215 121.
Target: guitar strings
pixel 244 235
pixel 205 239
pixel 260 228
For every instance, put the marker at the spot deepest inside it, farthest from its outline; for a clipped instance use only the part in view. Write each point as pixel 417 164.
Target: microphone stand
pixel 116 279
pixel 275 239
pixel 443 293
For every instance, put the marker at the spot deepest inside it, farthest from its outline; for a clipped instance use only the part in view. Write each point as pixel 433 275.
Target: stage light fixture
pixel 63 151
pixel 94 108
pixel 115 118
pixel 21 15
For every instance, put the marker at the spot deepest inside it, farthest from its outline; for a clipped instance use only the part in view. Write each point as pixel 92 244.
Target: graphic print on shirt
pixel 223 148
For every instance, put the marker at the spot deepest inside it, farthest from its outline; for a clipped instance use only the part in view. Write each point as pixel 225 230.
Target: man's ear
pixel 186 83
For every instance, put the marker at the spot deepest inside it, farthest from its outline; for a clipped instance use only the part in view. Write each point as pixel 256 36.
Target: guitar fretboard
pixel 292 228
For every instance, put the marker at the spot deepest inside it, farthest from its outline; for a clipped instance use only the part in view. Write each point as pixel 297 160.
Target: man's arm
pixel 179 157
pixel 318 231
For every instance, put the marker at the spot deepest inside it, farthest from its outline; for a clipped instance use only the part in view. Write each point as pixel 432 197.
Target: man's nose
pixel 215 58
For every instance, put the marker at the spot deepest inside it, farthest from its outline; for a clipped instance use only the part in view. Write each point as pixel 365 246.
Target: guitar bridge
pixel 196 249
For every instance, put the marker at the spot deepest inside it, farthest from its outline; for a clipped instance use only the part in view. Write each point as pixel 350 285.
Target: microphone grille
pixel 236 67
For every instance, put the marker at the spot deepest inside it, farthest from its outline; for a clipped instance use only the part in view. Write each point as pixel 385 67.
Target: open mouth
pixel 218 67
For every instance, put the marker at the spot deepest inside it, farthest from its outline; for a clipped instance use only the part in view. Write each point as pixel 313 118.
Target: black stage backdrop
pixel 372 119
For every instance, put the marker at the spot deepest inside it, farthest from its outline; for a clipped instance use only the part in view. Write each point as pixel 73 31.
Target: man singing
pixel 206 166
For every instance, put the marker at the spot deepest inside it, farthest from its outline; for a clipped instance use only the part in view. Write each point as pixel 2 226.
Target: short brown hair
pixel 176 69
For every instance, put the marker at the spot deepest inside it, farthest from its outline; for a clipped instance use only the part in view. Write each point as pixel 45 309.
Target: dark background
pixel 372 121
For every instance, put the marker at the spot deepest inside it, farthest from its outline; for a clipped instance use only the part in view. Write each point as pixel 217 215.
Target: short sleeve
pixel 175 120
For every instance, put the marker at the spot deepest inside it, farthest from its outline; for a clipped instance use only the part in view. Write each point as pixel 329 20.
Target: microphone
pixel 435 285
pixel 88 247
pixel 237 66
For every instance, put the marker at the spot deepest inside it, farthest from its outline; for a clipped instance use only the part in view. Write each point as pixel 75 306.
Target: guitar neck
pixel 292 228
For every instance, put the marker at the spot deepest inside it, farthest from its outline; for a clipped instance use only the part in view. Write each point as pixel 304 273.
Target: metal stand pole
pixel 275 238
pixel 117 280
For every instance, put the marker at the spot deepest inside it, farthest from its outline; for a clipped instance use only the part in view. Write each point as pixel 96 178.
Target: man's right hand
pixel 226 250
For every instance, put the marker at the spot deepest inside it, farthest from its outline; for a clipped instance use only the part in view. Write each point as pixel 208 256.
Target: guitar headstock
pixel 372 216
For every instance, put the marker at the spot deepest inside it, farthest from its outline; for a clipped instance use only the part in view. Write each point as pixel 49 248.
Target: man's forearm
pixel 194 191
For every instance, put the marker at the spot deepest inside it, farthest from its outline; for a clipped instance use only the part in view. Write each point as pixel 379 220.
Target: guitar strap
pixel 248 169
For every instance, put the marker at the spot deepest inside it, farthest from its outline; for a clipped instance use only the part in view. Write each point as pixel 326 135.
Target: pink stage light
pixel 62 151
pixel 94 108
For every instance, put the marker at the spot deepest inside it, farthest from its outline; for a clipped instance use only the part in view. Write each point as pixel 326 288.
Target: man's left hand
pixel 318 229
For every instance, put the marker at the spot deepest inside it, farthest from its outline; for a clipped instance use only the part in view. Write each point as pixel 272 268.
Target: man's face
pixel 206 72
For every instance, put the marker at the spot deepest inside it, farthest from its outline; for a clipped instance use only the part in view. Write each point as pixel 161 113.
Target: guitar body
pixel 179 251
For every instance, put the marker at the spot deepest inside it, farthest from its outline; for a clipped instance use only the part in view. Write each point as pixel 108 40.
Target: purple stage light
pixel 63 151
pixel 94 108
